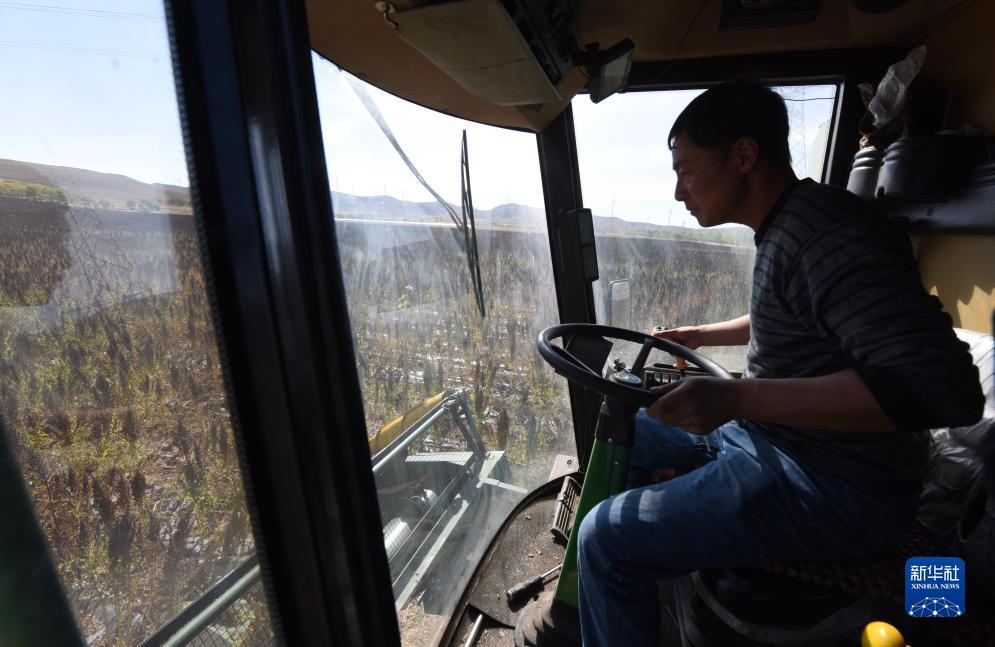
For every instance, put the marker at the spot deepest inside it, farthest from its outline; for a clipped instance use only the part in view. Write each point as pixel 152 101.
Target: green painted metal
pixel 607 474
pixel 33 607
pixel 212 611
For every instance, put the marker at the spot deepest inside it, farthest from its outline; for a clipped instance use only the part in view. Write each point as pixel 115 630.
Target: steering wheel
pixel 626 386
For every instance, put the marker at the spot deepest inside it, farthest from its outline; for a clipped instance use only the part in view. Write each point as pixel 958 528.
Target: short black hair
pixel 739 108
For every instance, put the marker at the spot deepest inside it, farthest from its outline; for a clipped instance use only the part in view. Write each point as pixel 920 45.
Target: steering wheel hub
pixel 625 377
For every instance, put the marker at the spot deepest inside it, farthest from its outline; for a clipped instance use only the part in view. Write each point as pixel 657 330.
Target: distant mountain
pixel 114 188
pixel 518 216
pixel 385 207
pixel 120 189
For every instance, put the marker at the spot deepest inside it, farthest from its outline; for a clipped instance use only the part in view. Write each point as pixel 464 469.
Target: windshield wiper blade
pixel 371 107
pixel 464 224
pixel 470 232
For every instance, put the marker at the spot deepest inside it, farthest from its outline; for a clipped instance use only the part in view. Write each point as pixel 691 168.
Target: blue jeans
pixel 747 504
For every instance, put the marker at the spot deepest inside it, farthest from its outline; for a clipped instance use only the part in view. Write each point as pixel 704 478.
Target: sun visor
pixel 477 43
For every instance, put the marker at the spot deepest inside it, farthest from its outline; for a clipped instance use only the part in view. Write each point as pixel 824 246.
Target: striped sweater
pixel 835 286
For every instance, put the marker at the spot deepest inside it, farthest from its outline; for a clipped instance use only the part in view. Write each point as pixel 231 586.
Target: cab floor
pixel 523 550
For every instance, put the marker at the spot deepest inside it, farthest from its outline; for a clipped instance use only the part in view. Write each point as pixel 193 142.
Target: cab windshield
pixel 463 416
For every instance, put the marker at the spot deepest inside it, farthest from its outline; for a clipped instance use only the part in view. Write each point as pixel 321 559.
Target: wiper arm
pixel 464 224
pixel 470 232
pixel 371 107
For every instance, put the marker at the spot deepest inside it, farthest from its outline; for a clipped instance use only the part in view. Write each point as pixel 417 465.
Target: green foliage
pixel 31 191
pixel 178 201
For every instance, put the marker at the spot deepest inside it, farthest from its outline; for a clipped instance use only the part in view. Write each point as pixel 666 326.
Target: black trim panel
pixel 575 299
pixel 782 68
pixel 968 211
pixel 258 178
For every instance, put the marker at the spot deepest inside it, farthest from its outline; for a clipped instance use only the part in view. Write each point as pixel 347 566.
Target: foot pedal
pixel 565 511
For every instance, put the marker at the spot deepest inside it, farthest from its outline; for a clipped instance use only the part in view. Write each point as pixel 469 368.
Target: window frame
pixel 249 113
pixel 845 68
pixel 561 191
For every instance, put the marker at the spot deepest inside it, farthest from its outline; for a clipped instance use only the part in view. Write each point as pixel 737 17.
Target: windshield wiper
pixel 470 232
pixel 464 223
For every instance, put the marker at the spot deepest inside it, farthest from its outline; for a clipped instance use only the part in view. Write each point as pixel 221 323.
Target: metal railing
pixel 454 403
pixel 232 613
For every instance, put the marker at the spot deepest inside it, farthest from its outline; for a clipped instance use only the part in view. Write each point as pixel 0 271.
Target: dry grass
pixel 119 417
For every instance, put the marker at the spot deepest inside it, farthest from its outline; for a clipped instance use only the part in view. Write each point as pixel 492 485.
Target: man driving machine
pixel 819 451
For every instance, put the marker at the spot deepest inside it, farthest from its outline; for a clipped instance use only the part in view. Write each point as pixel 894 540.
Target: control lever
pixel 528 587
pixel 679 362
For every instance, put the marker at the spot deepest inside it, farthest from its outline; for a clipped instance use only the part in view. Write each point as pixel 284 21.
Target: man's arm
pixel 857 284
pixel 735 332
pixel 860 284
pixel 836 402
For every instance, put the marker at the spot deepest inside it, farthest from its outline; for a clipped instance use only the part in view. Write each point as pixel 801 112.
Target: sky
pixel 89 84
pixel 625 163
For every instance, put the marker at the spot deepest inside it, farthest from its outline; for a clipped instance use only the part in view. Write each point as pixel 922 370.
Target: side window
pixel 463 416
pixel 110 379
pixel 678 272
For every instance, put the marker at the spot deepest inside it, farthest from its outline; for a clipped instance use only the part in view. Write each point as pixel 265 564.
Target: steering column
pixel 554 618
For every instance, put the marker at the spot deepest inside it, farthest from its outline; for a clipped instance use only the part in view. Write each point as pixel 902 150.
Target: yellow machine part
pixel 386 434
pixel 881 634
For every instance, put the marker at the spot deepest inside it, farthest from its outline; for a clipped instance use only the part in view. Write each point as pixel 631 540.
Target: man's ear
pixel 745 154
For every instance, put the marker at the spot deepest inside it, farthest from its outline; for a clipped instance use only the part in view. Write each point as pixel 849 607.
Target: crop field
pixel 114 400
pixel 418 332
pixel 111 385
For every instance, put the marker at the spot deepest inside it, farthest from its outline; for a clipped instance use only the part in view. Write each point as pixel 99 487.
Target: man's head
pixel 729 135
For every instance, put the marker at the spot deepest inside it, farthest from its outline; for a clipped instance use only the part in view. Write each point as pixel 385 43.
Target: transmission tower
pixel 794 100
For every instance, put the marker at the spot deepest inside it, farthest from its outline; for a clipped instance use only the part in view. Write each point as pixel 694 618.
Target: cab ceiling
pixel 356 37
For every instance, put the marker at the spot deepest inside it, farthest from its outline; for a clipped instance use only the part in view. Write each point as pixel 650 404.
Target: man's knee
pixel 592 534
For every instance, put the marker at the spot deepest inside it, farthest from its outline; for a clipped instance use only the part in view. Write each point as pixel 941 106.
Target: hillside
pixel 119 191
pixel 518 216
pixel 115 189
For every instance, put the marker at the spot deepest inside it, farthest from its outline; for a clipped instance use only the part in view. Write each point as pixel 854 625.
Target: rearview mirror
pixel 607 70
pixel 618 306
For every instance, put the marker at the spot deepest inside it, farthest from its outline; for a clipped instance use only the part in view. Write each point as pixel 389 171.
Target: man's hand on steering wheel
pixel 698 405
pixel 687 336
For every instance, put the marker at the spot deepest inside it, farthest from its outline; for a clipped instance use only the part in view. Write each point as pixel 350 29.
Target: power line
pixel 83 50
pixel 94 13
pixel 680 46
